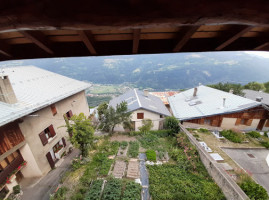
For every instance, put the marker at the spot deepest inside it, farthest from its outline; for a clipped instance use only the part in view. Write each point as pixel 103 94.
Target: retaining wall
pixel 227 184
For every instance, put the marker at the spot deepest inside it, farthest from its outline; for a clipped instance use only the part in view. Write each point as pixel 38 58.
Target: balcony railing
pixel 10 168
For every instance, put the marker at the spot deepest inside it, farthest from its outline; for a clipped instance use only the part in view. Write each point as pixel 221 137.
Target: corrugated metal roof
pixel 208 102
pixel 251 94
pixel 136 100
pixel 36 88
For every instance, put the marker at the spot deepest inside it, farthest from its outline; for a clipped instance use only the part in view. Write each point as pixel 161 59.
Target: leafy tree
pixel 112 117
pixel 255 86
pixel 266 85
pixel 226 87
pixel 82 133
pixel 172 124
pixel 102 108
pixel 147 126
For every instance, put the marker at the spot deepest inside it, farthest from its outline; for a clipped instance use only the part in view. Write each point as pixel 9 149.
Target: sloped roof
pixel 251 94
pixel 208 102
pixel 36 88
pixel 136 100
pixel 164 95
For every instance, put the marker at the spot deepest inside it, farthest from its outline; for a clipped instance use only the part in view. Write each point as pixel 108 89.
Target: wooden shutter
pixel 53 109
pixel 249 122
pixel 267 123
pixel 43 138
pixel 202 121
pixel 238 121
pixel 50 160
pixel 64 143
pixel 70 113
pixel 52 132
pixel 140 115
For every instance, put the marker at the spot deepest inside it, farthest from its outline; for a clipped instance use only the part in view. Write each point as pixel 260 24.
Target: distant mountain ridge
pixel 159 71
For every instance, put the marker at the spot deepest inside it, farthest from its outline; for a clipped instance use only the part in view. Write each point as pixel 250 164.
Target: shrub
pixel 265 144
pixel 149 141
pixel 132 191
pixel 203 130
pixel 135 133
pixel 133 149
pixel 60 194
pixel 232 136
pixel 151 155
pixel 254 134
pixel 76 163
pixel 172 124
pixel 16 189
pixel 77 196
pixel 147 125
pixel 162 133
pixel 112 190
pixel 253 190
pixel 95 190
pixel 265 134
pixel 123 144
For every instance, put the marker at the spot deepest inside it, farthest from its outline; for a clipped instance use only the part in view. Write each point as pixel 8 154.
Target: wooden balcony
pixel 10 168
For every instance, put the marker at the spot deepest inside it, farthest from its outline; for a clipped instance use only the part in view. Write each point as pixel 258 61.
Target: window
pixel 69 114
pixel 53 109
pixel 243 121
pixel 207 121
pixel 46 134
pixel 161 116
pixel 140 115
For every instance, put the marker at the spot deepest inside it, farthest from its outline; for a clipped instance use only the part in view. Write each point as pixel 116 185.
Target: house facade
pixel 33 137
pixel 143 106
pixel 210 107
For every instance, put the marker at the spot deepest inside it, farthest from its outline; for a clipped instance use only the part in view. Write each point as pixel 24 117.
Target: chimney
pixel 259 99
pixel 224 99
pixel 7 94
pixel 195 92
pixel 231 91
pixel 146 93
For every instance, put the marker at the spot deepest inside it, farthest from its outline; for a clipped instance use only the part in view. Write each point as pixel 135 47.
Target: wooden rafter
pixel 190 31
pixel 86 40
pixel 4 50
pixel 261 47
pixel 38 39
pixel 234 37
pixel 136 38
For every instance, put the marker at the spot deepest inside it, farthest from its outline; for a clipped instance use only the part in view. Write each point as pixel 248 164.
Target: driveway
pixel 41 188
pixel 252 160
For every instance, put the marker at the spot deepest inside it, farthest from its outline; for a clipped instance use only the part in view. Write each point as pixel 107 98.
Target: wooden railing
pixel 10 168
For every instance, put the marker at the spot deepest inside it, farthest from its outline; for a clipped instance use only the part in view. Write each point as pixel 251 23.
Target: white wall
pixel 32 126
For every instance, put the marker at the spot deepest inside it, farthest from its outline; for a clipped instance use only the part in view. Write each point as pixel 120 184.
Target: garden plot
pixel 123 149
pixel 133 169
pixel 119 169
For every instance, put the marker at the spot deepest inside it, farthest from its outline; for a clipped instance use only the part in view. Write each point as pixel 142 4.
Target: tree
pixel 82 133
pixel 255 86
pixel 112 117
pixel 226 87
pixel 266 85
pixel 101 110
pixel 172 124
pixel 147 125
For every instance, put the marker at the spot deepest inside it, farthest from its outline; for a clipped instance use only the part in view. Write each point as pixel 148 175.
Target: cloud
pixel 263 54
pixel 137 70
pixel 207 73
pixel 194 55
pixel 111 62
pixel 228 62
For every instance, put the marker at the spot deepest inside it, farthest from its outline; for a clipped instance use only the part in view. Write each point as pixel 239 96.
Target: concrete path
pixel 252 160
pixel 41 188
pixel 144 177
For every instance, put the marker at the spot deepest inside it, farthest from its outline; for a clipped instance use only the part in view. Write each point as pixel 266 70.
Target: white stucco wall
pixel 32 126
pixel 229 123
pixel 138 122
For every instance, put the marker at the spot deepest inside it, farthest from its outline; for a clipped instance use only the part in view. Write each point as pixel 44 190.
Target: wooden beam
pixel 38 39
pixel 189 32
pixel 86 39
pixel 260 47
pixel 234 37
pixel 4 50
pixel 136 38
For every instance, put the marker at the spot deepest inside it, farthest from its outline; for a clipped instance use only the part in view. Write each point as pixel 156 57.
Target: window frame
pixel 140 115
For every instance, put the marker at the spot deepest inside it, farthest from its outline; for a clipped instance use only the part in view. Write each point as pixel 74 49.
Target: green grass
pixel 232 136
pixel 151 155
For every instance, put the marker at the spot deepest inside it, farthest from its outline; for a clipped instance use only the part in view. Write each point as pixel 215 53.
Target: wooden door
pixel 261 124
pixel 51 162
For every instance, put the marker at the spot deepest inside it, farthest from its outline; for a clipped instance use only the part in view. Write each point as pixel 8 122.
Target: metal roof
pixel 251 94
pixel 164 95
pixel 36 88
pixel 208 102
pixel 137 100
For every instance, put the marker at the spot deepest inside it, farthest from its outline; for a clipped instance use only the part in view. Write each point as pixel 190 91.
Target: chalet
pixel 211 107
pixel 257 96
pixel 143 106
pixel 33 103
pixel 164 97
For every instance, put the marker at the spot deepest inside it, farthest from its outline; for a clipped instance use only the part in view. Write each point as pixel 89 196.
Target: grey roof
pixel 208 102
pixel 136 100
pixel 36 88
pixel 251 94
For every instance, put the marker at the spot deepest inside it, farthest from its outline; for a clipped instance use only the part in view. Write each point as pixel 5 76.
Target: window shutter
pixel 52 132
pixel 53 110
pixel 249 122
pixel 140 115
pixel 43 138
pixel 238 121
pixel 64 143
pixel 50 160
pixel 267 123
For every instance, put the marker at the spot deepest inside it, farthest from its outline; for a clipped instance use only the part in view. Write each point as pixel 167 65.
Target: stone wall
pixel 229 187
